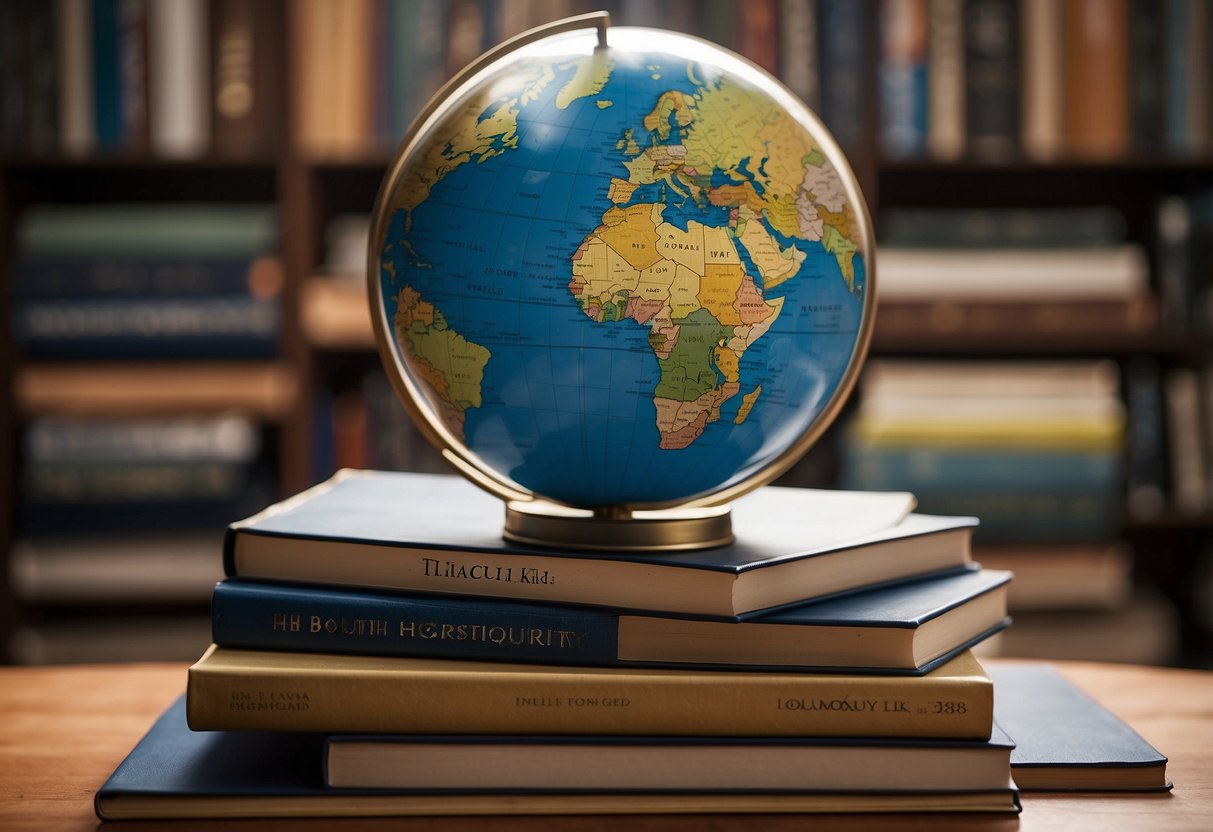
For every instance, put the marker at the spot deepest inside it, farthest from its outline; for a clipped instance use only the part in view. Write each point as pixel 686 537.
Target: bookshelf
pixel 309 400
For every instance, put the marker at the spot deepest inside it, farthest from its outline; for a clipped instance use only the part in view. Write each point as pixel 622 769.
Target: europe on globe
pixel 628 275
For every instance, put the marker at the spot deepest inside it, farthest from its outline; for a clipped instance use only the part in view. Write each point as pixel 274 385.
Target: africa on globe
pixel 620 270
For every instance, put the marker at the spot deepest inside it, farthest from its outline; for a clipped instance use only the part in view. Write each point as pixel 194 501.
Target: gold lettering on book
pixel 496 634
pixel 453 570
pixel 286 623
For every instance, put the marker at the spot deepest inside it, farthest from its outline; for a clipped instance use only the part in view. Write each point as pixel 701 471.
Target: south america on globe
pixel 623 276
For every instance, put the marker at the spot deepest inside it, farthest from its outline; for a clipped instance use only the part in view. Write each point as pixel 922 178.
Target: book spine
pixel 179 86
pixel 273 617
pixel 992 77
pixel 1042 73
pixel 1146 458
pixel 757 33
pixel 1031 514
pixel 223 438
pixel 1017 318
pixel 945 80
pixel 799 59
pixel 74 54
pixel 844 63
pixel 1097 78
pixel 107 85
pixel 1145 75
pixel 133 77
pixel 888 469
pixel 132 277
pixel 269 75
pixel 495 699
pixel 193 327
pixel 1177 51
pixel 902 77
pixel 117 481
pixel 233 80
pixel 41 85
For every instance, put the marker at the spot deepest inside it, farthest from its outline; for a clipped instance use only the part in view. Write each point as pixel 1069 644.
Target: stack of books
pixel 380 650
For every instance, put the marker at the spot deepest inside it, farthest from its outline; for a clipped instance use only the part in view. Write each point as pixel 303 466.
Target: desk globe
pixel 620 277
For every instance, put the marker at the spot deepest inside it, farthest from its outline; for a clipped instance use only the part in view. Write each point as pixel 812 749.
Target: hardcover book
pixel 680 764
pixel 908 628
pixel 177 773
pixel 1066 741
pixel 252 690
pixel 440 533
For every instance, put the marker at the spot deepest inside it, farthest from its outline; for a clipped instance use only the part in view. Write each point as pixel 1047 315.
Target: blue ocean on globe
pixel 506 252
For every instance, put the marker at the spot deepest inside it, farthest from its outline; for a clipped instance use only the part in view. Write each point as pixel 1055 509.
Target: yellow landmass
pixel 684 247
pixel 775 263
pixel 674 103
pixel 627 144
pixel 718 292
pixel 844 252
pixel 684 292
pixel 748 400
pixel 590 77
pixel 744 336
pixel 604 103
pixel 717 246
pixel 632 232
pixel 620 191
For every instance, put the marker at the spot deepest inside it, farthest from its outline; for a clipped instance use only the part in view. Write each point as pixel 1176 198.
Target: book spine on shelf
pixel 74 64
pixel 1145 454
pixel 799 56
pixel 757 35
pixel 233 88
pixel 1014 319
pixel 179 84
pixel 1097 78
pixel 1037 513
pixel 1146 99
pixel 992 77
pixel 945 80
pixel 902 77
pixel 41 133
pixel 929 467
pixel 142 277
pixel 107 86
pixel 345 694
pixel 844 61
pixel 150 328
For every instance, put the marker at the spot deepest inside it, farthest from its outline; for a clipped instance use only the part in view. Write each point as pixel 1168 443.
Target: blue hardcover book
pixel 908 628
pixel 154 327
pixel 174 772
pixel 844 62
pixel 878 468
pixel 435 533
pixel 902 77
pixel 107 74
pixel 138 277
pixel 1066 741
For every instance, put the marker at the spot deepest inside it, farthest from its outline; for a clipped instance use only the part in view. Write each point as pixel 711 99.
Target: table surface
pixel 64 729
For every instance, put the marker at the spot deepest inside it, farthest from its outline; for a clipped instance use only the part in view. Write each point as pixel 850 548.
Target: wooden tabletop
pixel 64 729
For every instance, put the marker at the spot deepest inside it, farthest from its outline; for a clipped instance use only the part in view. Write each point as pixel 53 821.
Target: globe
pixel 616 267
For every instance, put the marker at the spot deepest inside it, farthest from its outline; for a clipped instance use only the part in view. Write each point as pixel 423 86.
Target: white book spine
pixel 178 68
pixel 945 81
pixel 1042 78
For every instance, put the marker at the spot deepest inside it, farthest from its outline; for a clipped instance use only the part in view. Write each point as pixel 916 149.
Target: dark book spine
pixel 107 74
pixel 844 62
pixel 233 44
pixel 1146 456
pixel 133 80
pixel 160 327
pixel 269 75
pixel 1145 75
pixel 14 90
pixel 992 76
pixel 101 277
pixel 42 83
pixel 264 616
pixel 757 33
pixel 799 63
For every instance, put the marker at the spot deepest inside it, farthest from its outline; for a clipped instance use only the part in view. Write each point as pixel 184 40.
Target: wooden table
pixel 64 729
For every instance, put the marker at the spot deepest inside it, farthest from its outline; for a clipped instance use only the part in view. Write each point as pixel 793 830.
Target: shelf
pixel 334 313
pixel 1062 165
pixel 266 390
pixel 1036 343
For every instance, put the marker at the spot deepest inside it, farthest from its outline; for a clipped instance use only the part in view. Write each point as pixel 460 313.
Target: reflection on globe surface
pixel 623 276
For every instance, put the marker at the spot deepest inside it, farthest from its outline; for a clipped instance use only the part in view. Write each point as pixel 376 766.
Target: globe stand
pixel 542 523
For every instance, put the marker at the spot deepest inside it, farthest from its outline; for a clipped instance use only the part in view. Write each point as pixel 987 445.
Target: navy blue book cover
pixel 262 615
pixel 435 533
pixel 1065 740
pixel 174 772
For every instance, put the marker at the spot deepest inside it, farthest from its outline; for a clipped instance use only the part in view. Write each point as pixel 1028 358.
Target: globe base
pixel 542 523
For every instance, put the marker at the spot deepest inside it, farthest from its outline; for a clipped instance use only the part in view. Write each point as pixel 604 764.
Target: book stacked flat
pixel 380 650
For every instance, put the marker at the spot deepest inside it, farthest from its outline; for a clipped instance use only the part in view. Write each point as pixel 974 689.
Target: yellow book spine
pixel 253 690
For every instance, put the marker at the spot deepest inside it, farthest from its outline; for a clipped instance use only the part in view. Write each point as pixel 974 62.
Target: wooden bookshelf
pixel 326 342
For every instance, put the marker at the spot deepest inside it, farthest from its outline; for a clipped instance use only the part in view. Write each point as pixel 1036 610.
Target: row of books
pixel 169 78
pixel 1066 272
pixel 1090 79
pixel 1035 449
pixel 817 664
pixel 147 281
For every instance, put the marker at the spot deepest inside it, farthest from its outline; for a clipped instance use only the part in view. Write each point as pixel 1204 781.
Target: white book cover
pixel 178 85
